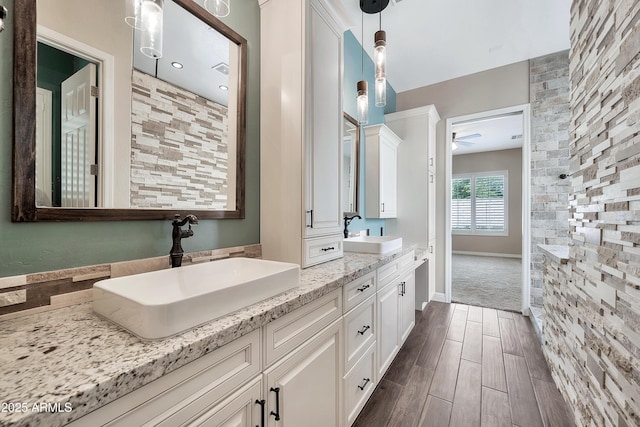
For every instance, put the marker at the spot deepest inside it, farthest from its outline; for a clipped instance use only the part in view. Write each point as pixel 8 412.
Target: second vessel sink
pixel 162 303
pixel 372 244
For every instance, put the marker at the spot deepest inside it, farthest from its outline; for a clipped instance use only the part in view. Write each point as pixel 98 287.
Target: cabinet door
pixel 407 304
pixel 304 389
pixel 388 327
pixel 388 179
pixel 242 409
pixel 431 256
pixel 324 127
pixel 431 206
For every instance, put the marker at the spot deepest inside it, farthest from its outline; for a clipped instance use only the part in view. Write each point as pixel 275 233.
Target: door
pixel 407 304
pixel 242 409
pixel 324 132
pixel 388 326
pixel 304 388
pixel 78 143
pixel 388 179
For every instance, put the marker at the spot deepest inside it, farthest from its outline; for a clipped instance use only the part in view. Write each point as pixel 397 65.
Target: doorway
pixel 488 209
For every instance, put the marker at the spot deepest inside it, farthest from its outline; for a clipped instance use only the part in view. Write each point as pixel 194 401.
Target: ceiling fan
pixel 463 141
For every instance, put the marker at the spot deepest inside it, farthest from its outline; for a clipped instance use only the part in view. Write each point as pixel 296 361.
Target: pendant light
pixel 362 100
pixel 151 34
pixel 380 62
pixel 379 50
pixel 218 8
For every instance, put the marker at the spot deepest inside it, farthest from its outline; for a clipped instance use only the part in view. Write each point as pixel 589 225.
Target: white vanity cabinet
pixel 395 308
pixel 381 171
pixel 301 130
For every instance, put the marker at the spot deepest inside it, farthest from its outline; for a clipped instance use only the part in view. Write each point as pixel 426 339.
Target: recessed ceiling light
pixel 223 87
pixel 177 65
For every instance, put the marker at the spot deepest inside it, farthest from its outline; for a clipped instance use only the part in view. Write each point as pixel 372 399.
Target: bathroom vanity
pixel 310 356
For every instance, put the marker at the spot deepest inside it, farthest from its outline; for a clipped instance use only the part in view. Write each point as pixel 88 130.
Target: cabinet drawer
pixel 290 331
pixel 359 384
pixel 322 249
pixel 359 290
pixel 388 274
pixel 360 331
pixel 406 262
pixel 180 395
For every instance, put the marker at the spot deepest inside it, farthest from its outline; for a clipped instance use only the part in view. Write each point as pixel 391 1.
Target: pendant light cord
pixel 362 41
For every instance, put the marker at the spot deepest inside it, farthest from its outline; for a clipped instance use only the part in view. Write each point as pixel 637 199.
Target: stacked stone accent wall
pixel 550 114
pixel 179 148
pixel 593 304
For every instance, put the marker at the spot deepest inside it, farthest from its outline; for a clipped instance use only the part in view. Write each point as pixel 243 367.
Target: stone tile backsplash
pixel 179 148
pixel 32 293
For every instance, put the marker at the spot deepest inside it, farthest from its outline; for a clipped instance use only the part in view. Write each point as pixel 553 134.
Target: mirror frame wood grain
pixel 24 207
pixel 356 162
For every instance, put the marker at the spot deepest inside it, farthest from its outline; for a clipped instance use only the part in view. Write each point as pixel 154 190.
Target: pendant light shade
pixel 362 103
pixel 151 37
pixel 380 62
pixel 218 8
pixel 133 17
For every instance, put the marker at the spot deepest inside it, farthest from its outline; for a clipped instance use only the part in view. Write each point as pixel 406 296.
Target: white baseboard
pixel 499 255
pixel 438 296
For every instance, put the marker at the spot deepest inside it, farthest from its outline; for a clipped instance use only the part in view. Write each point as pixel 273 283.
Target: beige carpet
pixel 487 281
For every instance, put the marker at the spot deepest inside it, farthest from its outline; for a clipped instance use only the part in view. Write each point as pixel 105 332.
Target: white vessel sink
pixel 372 244
pixel 166 302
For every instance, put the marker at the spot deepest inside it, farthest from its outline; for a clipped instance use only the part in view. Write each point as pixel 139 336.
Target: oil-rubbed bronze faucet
pixel 178 234
pixel 347 221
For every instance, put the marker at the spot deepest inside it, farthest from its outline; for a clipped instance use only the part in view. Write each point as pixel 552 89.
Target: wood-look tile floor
pixel 467 366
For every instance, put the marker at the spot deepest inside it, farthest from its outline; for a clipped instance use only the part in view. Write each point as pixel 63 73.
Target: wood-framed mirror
pixel 208 182
pixel 350 165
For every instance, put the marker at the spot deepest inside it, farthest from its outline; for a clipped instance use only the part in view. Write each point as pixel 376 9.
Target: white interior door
pixel 43 146
pixel 78 142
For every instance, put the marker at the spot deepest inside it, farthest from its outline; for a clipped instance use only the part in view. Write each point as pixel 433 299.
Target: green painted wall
pixel 352 74
pixel 44 246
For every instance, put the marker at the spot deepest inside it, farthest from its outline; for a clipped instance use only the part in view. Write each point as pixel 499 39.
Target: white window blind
pixel 479 203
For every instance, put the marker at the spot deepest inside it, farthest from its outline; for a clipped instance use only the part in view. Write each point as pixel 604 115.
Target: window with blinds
pixel 479 203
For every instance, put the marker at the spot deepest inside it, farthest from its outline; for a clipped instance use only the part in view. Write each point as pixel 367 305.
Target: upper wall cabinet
pixel 381 172
pixel 301 130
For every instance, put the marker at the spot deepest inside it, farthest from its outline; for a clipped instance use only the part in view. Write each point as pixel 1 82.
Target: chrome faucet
pixel 347 221
pixel 178 234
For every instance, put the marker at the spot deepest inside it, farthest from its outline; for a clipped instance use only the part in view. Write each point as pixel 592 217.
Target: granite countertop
pixel 558 253
pixel 72 357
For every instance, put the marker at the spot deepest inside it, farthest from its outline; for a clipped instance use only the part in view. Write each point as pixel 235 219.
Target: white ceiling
pixel 490 134
pixel 430 41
